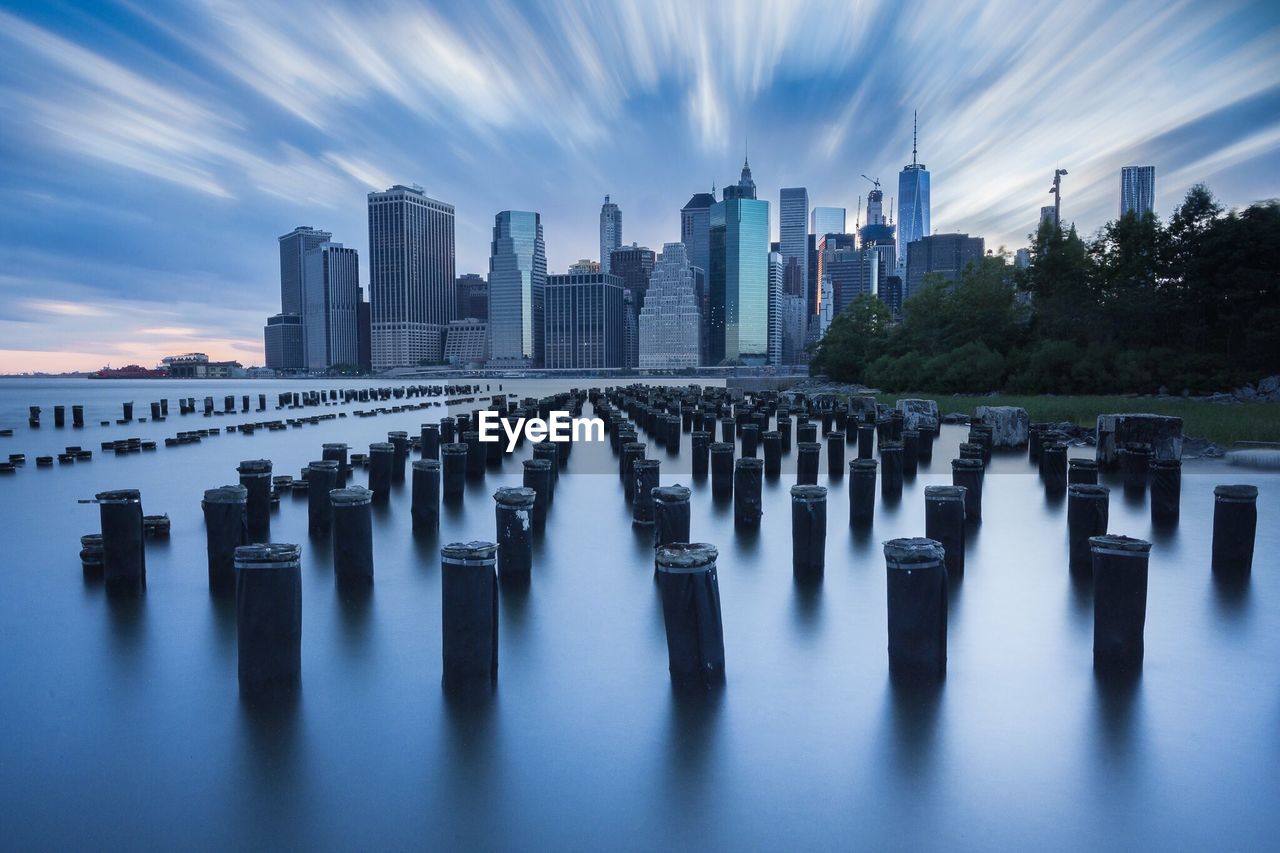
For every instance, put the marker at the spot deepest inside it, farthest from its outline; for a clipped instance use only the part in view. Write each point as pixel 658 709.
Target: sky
pixel 151 153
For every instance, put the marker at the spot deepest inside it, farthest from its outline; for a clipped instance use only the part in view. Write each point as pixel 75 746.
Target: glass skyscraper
pixel 610 232
pixel 793 228
pixel 695 229
pixel 293 247
pixel 945 255
pixel 517 280
pixel 913 204
pixel 1137 189
pixel 331 296
pixel 412 285
pixel 827 220
pixel 739 280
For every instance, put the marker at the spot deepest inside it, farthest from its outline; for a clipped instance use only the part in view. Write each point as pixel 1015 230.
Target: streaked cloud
pixel 152 153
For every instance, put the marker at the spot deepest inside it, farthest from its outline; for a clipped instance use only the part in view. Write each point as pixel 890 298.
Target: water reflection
pixel 1116 699
pixel 270 731
pixel 692 734
pixel 806 604
pixel 355 606
pixel 912 706
pixel 1231 595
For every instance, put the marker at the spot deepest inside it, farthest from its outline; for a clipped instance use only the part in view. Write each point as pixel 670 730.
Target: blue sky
pixel 151 153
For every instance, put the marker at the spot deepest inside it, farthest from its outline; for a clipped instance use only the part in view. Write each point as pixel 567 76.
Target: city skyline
pixel 125 135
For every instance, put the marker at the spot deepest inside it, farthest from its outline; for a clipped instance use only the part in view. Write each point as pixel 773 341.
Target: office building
pixel 584 325
pixel 293 249
pixel 1137 189
pixel 739 277
pixel 517 279
pixel 610 232
pixel 466 343
pixel 670 321
pixel 282 340
pixel 891 295
pixel 877 234
pixel 913 202
pixel 412 282
pixel 776 292
pixel 695 229
pixel 1048 213
pixel 944 255
pixel 827 220
pixel 364 332
pixel 472 298
pixel 793 229
pixel 633 265
pixel 585 265
pixel 330 297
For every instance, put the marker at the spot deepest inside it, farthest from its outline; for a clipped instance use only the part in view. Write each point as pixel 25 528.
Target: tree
pixel 856 336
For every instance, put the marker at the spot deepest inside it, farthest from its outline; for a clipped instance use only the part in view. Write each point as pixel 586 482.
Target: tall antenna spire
pixel 915 128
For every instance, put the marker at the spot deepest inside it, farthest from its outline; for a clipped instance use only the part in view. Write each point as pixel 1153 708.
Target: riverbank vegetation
pixel 1191 305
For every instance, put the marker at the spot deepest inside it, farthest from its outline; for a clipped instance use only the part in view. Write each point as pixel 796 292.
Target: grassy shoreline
pixel 1218 422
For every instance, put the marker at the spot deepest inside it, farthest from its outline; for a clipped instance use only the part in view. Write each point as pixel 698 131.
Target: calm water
pixel 123 725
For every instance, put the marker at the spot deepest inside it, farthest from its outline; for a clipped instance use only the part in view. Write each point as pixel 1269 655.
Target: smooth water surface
pixel 124 728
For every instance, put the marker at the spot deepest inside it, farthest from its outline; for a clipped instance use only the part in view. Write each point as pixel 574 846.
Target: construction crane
pixel 875 181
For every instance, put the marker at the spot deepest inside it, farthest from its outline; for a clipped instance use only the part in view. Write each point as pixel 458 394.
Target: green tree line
pixel 1192 304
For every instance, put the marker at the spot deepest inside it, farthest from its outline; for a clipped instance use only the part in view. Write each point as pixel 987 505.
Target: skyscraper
pixel 944 254
pixel 739 279
pixel 282 341
pixel 330 297
pixel 610 231
pixel 878 235
pixel 412 284
pixel 913 202
pixel 827 220
pixel 671 317
pixel 583 321
pixel 777 291
pixel 835 266
pixel 472 297
pixel 633 265
pixel 293 247
pixel 793 228
pixel 1137 189
pixel 517 279
pixel 695 229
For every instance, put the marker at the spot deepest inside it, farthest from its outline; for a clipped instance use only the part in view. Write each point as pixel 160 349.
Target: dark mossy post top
pixel 1235 493
pixel 337 445
pixel 671 494
pixel 381 447
pixel 806 445
pixel 1087 490
pixel 944 493
pixel 863 465
pixel 398 433
pixel 426 465
pixel 272 555
pixel 686 557
pixel 323 465
pixel 834 434
pixel 515 496
pixel 890 445
pixel 634 445
pixel 119 496
pixel 721 446
pixel 470 553
pixel 453 447
pixel 351 496
pixel 806 493
pixel 1159 464
pixel 1123 546
pixel 915 553
pixel 236 494
pixel 537 464
pixel 772 433
pixel 255 468
pixel 1080 462
pixel 749 463
pixel 971 464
